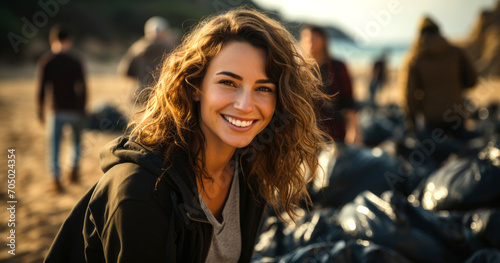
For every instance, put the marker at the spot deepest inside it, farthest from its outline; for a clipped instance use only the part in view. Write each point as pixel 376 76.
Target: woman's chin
pixel 238 143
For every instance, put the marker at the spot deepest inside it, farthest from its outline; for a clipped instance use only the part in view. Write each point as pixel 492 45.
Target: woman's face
pixel 312 43
pixel 237 99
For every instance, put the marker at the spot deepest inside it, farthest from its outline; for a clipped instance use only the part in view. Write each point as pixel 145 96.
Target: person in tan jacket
pixel 144 58
pixel 435 77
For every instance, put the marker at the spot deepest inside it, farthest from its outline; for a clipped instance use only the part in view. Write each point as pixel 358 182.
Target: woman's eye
pixel 265 89
pixel 227 83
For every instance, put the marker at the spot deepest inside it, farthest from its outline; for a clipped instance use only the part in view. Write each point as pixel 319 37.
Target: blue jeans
pixel 77 122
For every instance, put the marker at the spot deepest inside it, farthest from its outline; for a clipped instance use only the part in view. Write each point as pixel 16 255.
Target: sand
pixel 39 212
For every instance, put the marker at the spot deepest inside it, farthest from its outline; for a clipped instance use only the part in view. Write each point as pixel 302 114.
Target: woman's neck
pixel 220 168
pixel 217 158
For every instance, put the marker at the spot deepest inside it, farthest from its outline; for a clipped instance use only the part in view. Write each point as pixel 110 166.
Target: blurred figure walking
pixel 338 117
pixel 145 55
pixel 435 77
pixel 379 77
pixel 61 76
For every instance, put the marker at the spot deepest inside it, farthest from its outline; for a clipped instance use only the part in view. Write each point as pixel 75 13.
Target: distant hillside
pixel 332 31
pixel 483 44
pixel 103 29
pixel 24 24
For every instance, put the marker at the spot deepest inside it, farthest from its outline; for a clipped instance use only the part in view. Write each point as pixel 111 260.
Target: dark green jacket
pixel 130 217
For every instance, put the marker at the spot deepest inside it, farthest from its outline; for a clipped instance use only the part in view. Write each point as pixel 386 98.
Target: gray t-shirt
pixel 226 240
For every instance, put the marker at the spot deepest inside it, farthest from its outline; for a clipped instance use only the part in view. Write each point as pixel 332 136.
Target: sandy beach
pixel 39 212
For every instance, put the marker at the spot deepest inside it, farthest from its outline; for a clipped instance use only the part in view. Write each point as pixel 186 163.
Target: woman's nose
pixel 244 101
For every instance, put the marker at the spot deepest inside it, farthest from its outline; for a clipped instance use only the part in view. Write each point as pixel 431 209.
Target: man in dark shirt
pixel 337 117
pixel 61 77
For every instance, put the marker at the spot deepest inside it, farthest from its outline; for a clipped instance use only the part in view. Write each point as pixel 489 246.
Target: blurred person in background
pixel 143 58
pixel 379 76
pixel 61 77
pixel 434 79
pixel 338 117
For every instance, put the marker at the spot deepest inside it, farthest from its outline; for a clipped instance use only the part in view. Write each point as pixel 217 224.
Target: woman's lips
pixel 239 122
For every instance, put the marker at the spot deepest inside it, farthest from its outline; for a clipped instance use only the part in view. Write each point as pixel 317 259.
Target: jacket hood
pixel 124 150
pixel 180 177
pixel 427 22
pixel 429 44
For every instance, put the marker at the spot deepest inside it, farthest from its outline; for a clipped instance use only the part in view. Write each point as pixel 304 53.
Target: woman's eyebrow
pixel 264 81
pixel 230 74
pixel 238 77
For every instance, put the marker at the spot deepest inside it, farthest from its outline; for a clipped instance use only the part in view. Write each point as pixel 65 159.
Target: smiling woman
pixel 229 127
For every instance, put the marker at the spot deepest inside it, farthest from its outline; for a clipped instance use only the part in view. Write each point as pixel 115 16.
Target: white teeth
pixel 238 123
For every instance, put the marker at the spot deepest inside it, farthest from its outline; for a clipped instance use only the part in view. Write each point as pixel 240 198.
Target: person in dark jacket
pixel 228 129
pixel 337 116
pixel 61 77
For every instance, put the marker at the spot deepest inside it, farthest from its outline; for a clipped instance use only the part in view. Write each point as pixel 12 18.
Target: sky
pixel 384 21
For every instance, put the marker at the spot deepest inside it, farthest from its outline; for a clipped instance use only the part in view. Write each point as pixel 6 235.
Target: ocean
pixel 358 55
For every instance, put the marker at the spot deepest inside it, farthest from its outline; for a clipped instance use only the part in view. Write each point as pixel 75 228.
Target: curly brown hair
pixel 277 156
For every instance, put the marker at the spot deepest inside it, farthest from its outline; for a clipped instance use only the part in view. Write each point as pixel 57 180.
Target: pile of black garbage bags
pixel 106 117
pixel 403 198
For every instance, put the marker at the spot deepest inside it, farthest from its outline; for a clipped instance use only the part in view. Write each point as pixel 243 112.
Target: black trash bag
pixel 278 238
pixel 438 144
pixel 107 118
pixel 380 124
pixel 360 251
pixel 466 183
pixel 417 234
pixel 354 170
pixel 416 173
pixel 487 255
pixel 416 161
pixel 487 119
pixel 485 223
pixel 422 155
